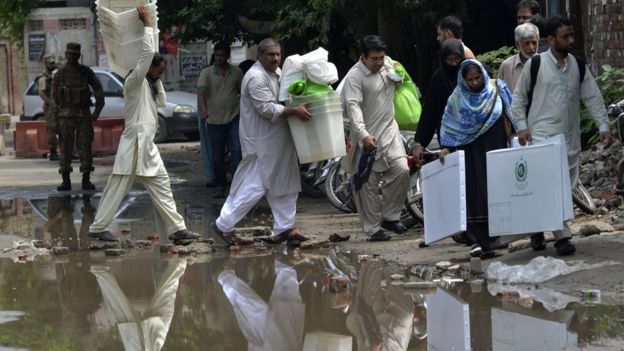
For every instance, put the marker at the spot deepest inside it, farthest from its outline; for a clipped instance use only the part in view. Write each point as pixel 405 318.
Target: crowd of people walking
pixel 536 95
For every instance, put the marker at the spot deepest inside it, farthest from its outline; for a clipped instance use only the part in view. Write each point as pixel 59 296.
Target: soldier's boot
pixel 66 184
pixel 54 155
pixel 86 181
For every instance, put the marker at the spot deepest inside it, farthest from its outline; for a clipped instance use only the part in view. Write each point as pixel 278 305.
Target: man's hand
pixel 606 138
pixel 524 137
pixel 302 112
pixel 203 115
pixel 94 116
pixel 418 152
pixel 369 143
pixel 443 153
pixel 144 15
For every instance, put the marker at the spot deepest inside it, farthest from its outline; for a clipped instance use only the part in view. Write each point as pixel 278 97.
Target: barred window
pixel 35 25
pixel 73 23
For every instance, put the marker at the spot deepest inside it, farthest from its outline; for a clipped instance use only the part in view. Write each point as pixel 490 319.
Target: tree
pixel 14 16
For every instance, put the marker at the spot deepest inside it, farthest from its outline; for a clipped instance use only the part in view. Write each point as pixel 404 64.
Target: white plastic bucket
pixel 320 138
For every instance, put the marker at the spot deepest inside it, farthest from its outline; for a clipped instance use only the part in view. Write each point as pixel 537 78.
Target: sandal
pixel 379 236
pixel 290 235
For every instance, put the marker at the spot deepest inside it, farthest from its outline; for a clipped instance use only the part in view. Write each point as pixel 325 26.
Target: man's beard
pixel 527 56
pixel 562 50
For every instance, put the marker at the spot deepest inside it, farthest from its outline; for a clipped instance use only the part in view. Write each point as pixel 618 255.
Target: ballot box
pixel 529 188
pixel 518 331
pixel 448 322
pixel 444 197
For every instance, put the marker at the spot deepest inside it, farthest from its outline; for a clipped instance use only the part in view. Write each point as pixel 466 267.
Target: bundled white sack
pixel 312 66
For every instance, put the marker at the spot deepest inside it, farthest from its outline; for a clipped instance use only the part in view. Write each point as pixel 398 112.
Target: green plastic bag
pixel 407 106
pixel 306 87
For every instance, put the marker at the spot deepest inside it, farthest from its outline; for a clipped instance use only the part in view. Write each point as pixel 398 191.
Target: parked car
pixel 178 116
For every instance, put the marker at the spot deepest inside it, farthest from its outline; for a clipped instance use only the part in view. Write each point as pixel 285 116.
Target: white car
pixel 178 116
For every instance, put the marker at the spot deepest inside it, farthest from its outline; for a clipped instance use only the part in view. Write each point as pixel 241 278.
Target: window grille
pixel 73 23
pixel 35 25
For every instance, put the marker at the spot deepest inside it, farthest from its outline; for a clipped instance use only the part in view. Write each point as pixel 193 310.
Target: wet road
pixel 275 299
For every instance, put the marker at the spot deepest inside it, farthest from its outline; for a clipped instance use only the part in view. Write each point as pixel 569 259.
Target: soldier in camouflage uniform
pixel 44 81
pixel 70 91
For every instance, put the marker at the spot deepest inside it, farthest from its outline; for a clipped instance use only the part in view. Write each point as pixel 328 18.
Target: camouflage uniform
pixel 70 91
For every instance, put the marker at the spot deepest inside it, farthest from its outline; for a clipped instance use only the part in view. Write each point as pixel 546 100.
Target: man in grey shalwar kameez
pixel 269 166
pixel 367 95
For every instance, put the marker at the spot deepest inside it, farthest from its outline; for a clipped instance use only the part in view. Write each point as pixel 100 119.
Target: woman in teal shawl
pixel 476 121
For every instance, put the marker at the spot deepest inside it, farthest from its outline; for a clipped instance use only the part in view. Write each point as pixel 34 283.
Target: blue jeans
pixel 206 152
pixel 221 135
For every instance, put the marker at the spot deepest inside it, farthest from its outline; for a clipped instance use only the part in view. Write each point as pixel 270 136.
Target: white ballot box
pixel 513 331
pixel 444 197
pixel 529 188
pixel 448 322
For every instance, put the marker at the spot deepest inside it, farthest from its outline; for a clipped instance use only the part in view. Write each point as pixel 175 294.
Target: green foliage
pixel 611 83
pixel 493 59
pixel 14 16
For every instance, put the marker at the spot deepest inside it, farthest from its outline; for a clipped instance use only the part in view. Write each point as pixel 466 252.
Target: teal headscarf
pixel 469 113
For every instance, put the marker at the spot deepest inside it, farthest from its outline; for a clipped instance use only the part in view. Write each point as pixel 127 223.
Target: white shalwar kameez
pixel 555 107
pixel 137 155
pixel 275 326
pixel 269 166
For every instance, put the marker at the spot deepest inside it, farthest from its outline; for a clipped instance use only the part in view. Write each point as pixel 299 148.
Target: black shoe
pixel 564 247
pixel 86 181
pixel 66 184
pixel 538 243
pixel 396 226
pixel 219 193
pixel 103 236
pixel 184 234
pixel 380 236
pixel 227 237
pixel 462 238
pixel 476 251
pixel 54 156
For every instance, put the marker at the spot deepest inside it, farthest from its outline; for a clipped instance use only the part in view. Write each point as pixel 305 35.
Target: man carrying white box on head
pixel 137 155
pixel 546 103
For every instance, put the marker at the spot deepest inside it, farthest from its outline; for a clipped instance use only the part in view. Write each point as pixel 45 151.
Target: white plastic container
pixel 325 341
pixel 322 137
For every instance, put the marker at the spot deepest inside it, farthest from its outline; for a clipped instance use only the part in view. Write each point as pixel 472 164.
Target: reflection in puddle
pixel 66 219
pixel 272 302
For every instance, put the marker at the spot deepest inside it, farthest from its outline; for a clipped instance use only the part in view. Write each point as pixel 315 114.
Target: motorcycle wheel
pixel 308 180
pixel 338 189
pixel 582 199
pixel 414 204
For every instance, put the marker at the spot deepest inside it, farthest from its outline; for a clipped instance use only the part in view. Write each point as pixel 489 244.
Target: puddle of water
pixel 278 301
pixel 66 219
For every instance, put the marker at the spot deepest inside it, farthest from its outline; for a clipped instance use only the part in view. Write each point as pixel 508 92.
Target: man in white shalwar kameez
pixel 269 166
pixel 275 326
pixel 137 155
pixel 367 95
pixel 146 331
pixel 555 108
